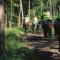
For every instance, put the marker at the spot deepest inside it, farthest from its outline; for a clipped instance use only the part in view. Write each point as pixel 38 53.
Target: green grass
pixel 12 45
pixel 14 30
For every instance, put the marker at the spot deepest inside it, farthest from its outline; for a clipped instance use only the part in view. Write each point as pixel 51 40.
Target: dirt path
pixel 39 43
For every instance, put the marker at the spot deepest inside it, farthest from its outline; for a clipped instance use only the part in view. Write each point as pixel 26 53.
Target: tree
pixel 29 9
pixel 2 42
pixel 11 15
pixel 20 8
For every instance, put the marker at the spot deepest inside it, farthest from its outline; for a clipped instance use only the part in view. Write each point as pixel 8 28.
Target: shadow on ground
pixel 34 54
pixel 24 53
pixel 36 41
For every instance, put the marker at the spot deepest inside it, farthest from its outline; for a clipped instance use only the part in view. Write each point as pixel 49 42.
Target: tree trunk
pixel 6 19
pixel 29 9
pixel 10 22
pixel 41 8
pixel 22 12
pixel 19 19
pixel 2 43
pixel 50 1
pixel 18 24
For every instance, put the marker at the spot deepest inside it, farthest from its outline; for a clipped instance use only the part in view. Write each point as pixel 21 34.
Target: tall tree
pixel 41 7
pixel 22 12
pixel 2 46
pixel 6 18
pixel 29 9
pixel 11 16
pixel 19 18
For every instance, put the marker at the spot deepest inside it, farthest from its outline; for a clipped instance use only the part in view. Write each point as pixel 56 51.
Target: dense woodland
pixel 12 12
pixel 15 10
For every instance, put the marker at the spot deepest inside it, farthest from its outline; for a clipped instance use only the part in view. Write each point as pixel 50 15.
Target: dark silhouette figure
pixel 57 29
pixel 46 23
pixel 34 24
pixel 26 24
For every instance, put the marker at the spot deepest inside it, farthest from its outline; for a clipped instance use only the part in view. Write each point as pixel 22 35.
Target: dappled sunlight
pixel 30 30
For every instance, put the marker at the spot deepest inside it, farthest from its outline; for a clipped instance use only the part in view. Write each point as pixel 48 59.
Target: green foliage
pixel 36 9
pixel 37 5
pixel 14 49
